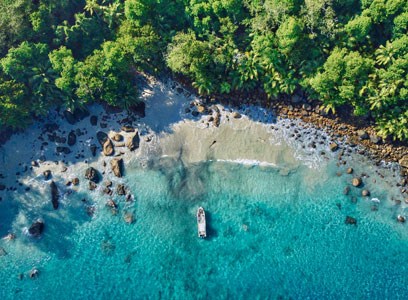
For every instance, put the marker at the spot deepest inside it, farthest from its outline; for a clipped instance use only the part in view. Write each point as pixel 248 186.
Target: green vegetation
pixel 339 52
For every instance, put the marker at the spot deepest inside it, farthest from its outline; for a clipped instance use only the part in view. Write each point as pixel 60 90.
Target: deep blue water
pixel 269 236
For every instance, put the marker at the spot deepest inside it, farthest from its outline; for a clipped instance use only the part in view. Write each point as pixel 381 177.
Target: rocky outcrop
pixel 101 137
pixel 117 165
pixel 37 228
pixel 71 138
pixel 54 195
pixel 92 175
pixel 108 148
pixel 133 142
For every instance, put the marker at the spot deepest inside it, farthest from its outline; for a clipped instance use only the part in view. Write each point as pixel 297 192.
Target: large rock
pixel 101 137
pixel 133 142
pixel 116 165
pixel 356 181
pixel 92 175
pixel 108 148
pixel 54 195
pixel 71 138
pixel 37 228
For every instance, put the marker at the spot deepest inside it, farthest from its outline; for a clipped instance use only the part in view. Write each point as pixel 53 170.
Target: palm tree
pixel 385 55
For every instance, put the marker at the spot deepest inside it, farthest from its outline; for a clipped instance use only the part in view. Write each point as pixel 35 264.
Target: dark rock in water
pixel 139 109
pixel 94 120
pixel 54 195
pixel 108 148
pixel 47 174
pixel 117 165
pixel 81 113
pixel 37 228
pixel 357 181
pixel 333 146
pixel 365 193
pixel 70 117
pixel 75 181
pixel 34 163
pixel 92 185
pixel 2 187
pixel 93 149
pixel 2 252
pixel 34 273
pixel 346 190
pixel 133 142
pixel 64 150
pixel 92 175
pixel 127 128
pixel 349 171
pixel 363 135
pixel 71 138
pixel 120 190
pixel 101 137
pixel 350 221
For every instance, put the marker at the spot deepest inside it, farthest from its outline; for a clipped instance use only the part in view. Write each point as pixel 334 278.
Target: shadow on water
pixel 211 231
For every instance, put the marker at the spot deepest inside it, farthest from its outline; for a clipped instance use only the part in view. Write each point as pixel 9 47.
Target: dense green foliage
pixel 339 52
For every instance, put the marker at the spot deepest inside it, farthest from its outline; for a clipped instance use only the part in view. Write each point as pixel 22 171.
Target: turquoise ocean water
pixel 270 235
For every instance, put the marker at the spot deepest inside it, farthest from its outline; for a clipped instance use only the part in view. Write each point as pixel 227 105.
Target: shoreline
pixel 150 128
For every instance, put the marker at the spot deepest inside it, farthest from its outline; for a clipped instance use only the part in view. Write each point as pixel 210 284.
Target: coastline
pixel 41 147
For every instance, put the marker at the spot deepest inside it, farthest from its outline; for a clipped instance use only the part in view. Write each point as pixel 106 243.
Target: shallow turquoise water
pixel 269 236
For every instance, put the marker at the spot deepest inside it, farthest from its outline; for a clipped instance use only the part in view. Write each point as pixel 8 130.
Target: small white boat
pixel 202 232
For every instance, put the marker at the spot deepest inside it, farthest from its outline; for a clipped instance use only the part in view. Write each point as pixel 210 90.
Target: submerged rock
pixel 37 228
pixel 116 165
pixel 350 221
pixel 133 142
pixel 2 252
pixel 108 148
pixel 346 190
pixel 92 174
pixel 54 195
pixel 129 218
pixel 93 120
